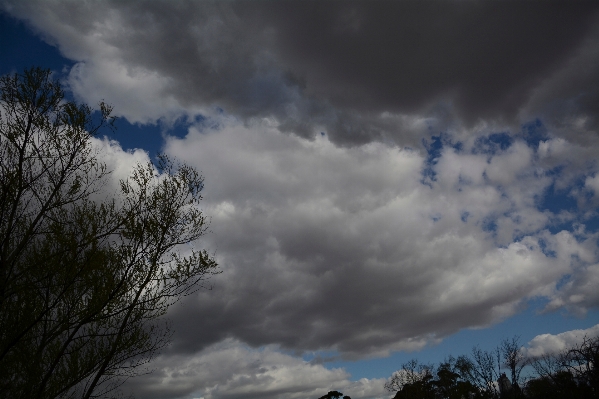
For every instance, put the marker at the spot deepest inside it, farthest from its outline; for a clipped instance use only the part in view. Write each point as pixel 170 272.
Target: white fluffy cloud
pixel 119 162
pixel 135 94
pixel 549 344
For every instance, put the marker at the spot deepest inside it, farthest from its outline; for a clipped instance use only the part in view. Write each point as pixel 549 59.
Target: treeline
pixel 502 373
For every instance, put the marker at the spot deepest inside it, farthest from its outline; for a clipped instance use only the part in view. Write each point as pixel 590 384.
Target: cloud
pixel 230 369
pixel 135 94
pixel 119 162
pixel 549 344
pixel 579 291
pixel 342 67
pixel 347 249
pixel 564 98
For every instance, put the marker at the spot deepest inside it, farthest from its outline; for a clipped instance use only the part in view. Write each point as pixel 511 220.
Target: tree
pixel 449 384
pixel 571 373
pixel 334 395
pixel 481 370
pixel 84 277
pixel 422 389
pixel 419 381
pixel 513 357
pixel 581 361
pixel 561 384
pixel 411 372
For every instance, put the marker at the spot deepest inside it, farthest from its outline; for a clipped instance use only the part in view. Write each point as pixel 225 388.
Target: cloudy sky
pixel 384 180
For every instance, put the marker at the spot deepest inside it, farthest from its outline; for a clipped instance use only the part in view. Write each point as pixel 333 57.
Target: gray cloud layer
pixel 340 66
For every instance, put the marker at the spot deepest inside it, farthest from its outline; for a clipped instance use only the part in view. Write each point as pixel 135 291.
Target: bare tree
pixel 582 360
pixel 570 373
pixel 482 370
pixel 514 359
pixel 410 372
pixel 547 365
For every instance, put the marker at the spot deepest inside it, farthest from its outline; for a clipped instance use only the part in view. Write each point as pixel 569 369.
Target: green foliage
pixel 84 282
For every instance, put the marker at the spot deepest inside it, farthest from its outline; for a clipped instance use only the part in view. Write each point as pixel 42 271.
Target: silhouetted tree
pixel 481 369
pixel 416 381
pixel 561 384
pixel 334 395
pixel 582 361
pixel 571 374
pixel 84 279
pixel 410 372
pixel 514 359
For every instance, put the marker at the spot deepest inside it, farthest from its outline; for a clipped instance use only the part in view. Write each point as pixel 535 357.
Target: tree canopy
pixel 86 273
pixel 334 395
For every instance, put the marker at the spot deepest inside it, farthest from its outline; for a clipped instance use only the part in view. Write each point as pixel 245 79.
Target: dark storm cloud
pixel 569 99
pixel 399 56
pixel 342 64
pixel 339 66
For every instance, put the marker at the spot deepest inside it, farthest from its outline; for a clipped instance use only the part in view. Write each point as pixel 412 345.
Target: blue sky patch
pixel 555 200
pixel 433 150
pixel 150 136
pixel 26 50
pixel 534 132
pixel 493 143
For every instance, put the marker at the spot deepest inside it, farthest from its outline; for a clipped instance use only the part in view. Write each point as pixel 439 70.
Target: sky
pixel 384 180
